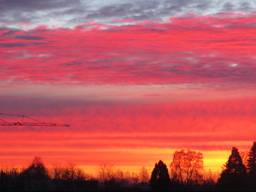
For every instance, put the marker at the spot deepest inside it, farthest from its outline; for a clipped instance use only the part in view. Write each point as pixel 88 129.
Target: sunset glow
pixel 134 86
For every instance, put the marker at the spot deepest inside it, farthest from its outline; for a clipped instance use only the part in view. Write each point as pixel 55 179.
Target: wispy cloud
pixel 66 13
pixel 197 50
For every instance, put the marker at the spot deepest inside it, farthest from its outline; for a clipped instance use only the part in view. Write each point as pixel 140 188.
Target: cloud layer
pixel 70 13
pixel 195 50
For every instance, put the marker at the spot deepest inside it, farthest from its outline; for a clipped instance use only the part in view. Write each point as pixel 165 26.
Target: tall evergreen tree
pixel 233 177
pixel 160 179
pixel 251 167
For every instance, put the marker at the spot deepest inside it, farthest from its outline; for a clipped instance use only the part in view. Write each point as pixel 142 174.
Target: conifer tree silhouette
pixel 160 179
pixel 251 167
pixel 233 177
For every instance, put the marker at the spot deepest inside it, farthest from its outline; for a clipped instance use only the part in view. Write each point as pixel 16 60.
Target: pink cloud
pixel 197 49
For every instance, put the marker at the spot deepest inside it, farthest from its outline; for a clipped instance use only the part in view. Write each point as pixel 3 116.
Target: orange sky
pixel 118 150
pixel 132 93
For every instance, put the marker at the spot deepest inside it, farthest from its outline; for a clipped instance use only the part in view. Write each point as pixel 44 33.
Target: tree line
pixel 184 174
pixel 236 176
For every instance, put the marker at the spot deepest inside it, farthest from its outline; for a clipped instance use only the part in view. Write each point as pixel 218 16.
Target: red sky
pixel 132 93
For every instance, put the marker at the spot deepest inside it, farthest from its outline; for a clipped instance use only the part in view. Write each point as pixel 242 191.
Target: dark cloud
pixel 32 5
pixel 246 6
pixel 151 9
pixel 159 9
pixel 12 45
pixel 228 6
pixel 35 104
pixel 112 11
pixel 71 13
pixel 29 37
pixel 7 32
pixel 27 10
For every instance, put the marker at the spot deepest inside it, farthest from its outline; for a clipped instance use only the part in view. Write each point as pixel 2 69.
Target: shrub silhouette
pixel 9 180
pixel 69 174
pixel 71 179
pixel 160 180
pixel 233 177
pixel 143 175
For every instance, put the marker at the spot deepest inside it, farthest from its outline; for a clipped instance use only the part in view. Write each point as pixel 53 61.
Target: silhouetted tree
pixel 111 179
pixel 105 173
pixel 36 170
pixel 251 167
pixel 70 179
pixel 35 177
pixel 233 177
pixel 187 167
pixel 143 175
pixel 160 180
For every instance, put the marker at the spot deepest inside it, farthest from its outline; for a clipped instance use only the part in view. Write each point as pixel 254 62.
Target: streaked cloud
pixel 189 50
pixel 117 149
pixel 64 13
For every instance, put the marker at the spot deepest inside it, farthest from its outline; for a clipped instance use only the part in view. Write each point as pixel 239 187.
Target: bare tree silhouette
pixel 187 167
pixel 143 175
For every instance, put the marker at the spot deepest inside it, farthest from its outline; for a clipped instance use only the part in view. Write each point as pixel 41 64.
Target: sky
pixel 136 80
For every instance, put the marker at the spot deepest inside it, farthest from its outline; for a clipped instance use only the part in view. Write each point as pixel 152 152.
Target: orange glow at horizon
pixel 73 148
